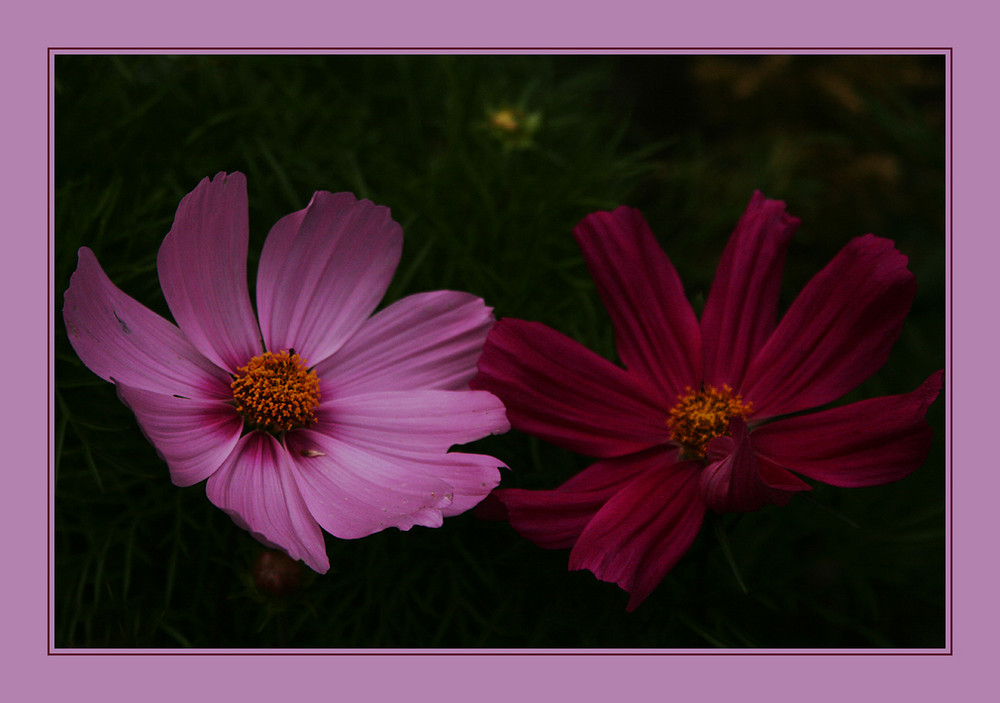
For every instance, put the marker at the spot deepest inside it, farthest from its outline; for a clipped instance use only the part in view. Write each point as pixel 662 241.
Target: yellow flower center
pixel 276 392
pixel 701 416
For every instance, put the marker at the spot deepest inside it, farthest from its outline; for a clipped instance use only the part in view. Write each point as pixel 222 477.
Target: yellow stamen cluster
pixel 703 415
pixel 276 392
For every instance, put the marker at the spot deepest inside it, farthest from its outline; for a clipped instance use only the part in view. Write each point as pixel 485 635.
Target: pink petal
pixel 736 482
pixel 471 477
pixel 412 421
pixel 742 307
pixel 322 272
pixel 837 333
pixel 868 443
pixel 555 519
pixel 121 340
pixel 203 271
pixel 353 492
pixel 424 341
pixel 194 437
pixel 256 486
pixel 558 390
pixel 655 328
pixel 378 460
pixel 641 533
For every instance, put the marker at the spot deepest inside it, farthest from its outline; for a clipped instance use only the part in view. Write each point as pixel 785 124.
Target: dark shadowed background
pixel 853 144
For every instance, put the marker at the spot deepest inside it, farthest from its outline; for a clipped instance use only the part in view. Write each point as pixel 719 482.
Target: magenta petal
pixel 837 333
pixel 615 472
pixel 560 391
pixel 550 519
pixel 412 421
pixel 424 341
pixel 655 328
pixel 194 437
pixel 742 307
pixel 735 482
pixel 555 519
pixel 257 488
pixel 203 271
pixel 119 339
pixel 353 492
pixel 642 532
pixel 322 272
pixel 868 443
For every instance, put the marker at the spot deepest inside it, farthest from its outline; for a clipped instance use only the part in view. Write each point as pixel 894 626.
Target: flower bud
pixel 276 574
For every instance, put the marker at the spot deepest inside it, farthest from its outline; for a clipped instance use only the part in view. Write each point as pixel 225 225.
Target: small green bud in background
pixel 513 126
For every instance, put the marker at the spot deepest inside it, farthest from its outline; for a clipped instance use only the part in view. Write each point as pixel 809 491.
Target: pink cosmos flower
pixel 308 413
pixel 701 417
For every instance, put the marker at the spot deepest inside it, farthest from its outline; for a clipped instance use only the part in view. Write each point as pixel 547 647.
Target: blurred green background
pixel 488 162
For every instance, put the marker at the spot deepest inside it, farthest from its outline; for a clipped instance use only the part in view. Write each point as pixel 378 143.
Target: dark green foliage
pixel 852 144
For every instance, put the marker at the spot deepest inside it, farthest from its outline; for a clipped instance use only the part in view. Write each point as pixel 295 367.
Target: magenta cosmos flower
pixel 701 418
pixel 308 413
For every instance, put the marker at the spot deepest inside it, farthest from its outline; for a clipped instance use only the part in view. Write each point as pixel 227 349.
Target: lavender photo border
pixel 496 675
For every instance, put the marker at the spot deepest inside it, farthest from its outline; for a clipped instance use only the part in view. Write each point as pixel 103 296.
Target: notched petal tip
pixel 760 204
pixel 838 331
pixel 211 186
pixel 202 267
pixel 621 216
pixel 323 270
pixel 344 205
pixel 496 414
pixel 868 443
pixel 224 178
pixel 930 389
pixel 656 329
